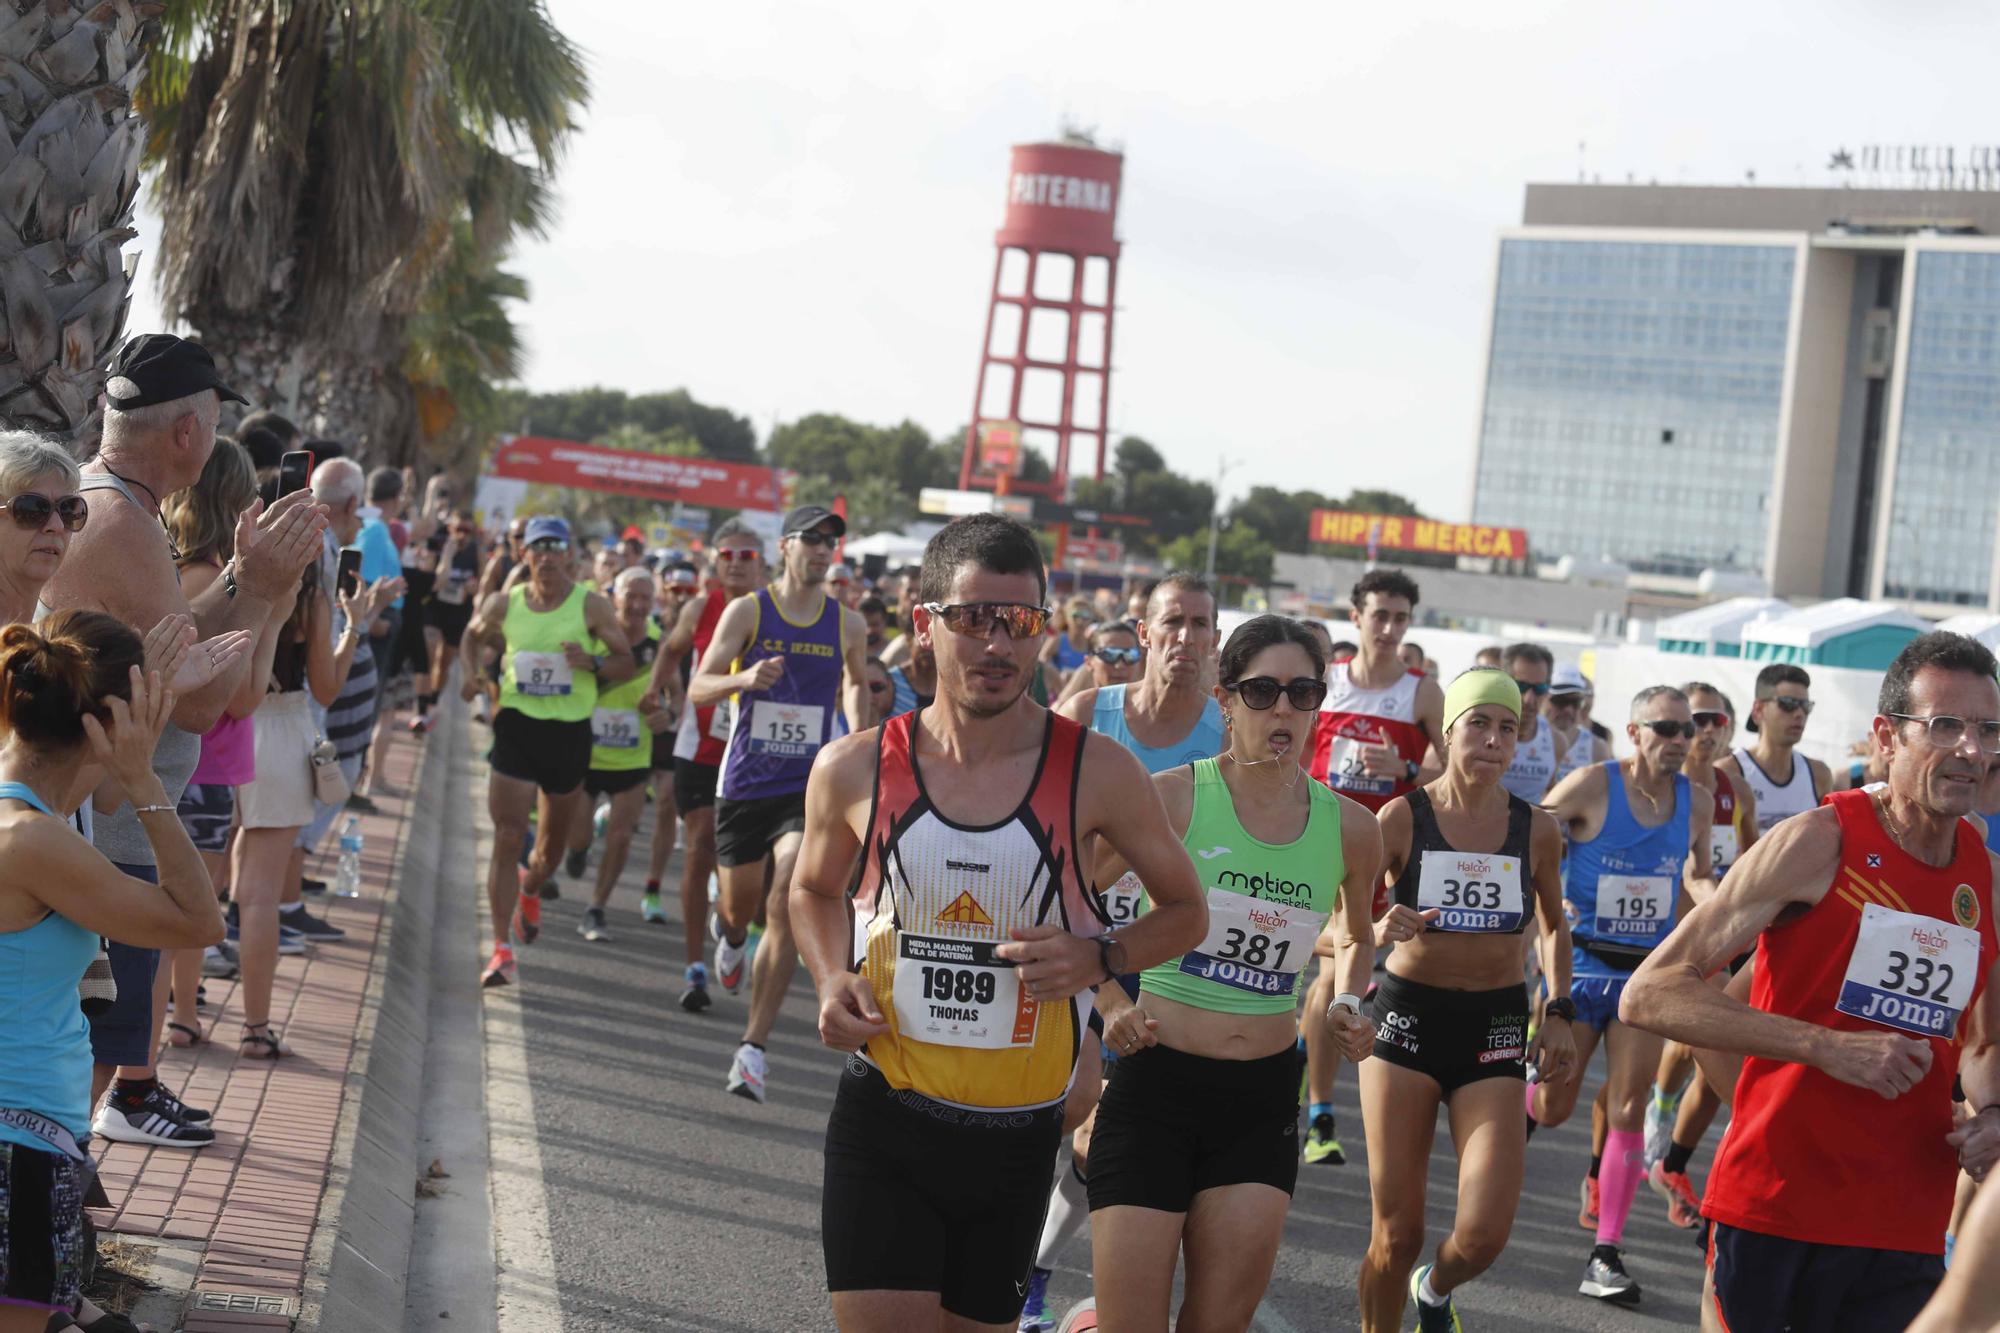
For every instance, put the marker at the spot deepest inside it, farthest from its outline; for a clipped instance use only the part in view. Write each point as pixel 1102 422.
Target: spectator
pixel 38 488
pixel 265 449
pixel 881 693
pixel 876 616
pixel 162 399
pixel 74 704
pixel 841 585
pixel 381 559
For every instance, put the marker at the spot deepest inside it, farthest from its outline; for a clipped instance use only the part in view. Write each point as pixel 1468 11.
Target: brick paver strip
pixel 253 1194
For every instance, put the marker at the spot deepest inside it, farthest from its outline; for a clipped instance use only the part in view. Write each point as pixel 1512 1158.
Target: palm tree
pixel 321 164
pixel 67 73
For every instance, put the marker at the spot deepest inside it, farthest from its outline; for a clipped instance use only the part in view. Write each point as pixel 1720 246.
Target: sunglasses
pixel 1537 690
pixel 1789 704
pixel 1704 721
pixel 1307 693
pixel 1114 656
pixel 816 538
pixel 1669 730
pixel 31 510
pixel 879 687
pixel 548 545
pixel 725 555
pixel 978 618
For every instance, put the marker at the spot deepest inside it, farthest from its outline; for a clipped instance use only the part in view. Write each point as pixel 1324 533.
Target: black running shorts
pixel 694 785
pixel 745 831
pixel 41 1228
pixel 921 1196
pixel 1772 1282
pixel 612 781
pixel 1171 1125
pixel 1455 1036
pixel 552 755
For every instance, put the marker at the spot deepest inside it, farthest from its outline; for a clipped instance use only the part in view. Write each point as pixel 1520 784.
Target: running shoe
pixel 548 891
pixel 695 998
pixel 1586 1214
pixel 420 724
pixel 1605 1277
pixel 180 1110
pixel 312 927
pixel 1660 1112
pixel 501 971
pixel 650 910
pixel 746 1073
pixel 1683 1204
pixel 215 963
pixel 1035 1316
pixel 1321 1145
pixel 577 862
pixel 527 919
pixel 592 925
pixel 148 1122
pixel 751 939
pixel 729 961
pixel 1433 1318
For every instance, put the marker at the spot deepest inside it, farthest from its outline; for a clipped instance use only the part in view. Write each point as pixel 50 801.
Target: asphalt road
pixel 666 1203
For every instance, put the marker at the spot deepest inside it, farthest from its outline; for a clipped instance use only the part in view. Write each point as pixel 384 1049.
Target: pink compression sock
pixel 1618 1183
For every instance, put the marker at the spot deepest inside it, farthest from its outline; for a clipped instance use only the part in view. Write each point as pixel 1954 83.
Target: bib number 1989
pixel 963 986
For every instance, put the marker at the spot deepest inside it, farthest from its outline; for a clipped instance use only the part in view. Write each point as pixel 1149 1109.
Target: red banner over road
pixel 591 467
pixel 1333 527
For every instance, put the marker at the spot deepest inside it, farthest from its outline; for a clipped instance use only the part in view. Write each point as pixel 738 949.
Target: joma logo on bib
pixel 1265 886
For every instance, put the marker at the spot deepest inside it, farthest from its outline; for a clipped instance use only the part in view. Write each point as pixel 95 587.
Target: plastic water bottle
pixel 347 880
pixel 601 822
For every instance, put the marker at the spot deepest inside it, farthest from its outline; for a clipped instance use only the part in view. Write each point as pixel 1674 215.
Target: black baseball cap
pixel 158 368
pixel 807 517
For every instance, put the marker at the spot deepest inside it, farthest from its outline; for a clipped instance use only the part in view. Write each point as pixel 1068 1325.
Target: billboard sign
pixel 1397 532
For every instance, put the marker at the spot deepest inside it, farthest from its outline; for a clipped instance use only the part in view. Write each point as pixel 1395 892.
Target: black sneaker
pixel 180 1110
pixel 592 926
pixel 308 925
pixel 1605 1277
pixel 313 887
pixel 695 998
pixel 148 1122
pixel 576 863
pixel 363 804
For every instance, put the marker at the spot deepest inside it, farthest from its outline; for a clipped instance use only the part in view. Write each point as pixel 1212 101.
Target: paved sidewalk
pixel 253 1195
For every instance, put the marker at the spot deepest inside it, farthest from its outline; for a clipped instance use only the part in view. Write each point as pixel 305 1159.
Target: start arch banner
pixel 704 482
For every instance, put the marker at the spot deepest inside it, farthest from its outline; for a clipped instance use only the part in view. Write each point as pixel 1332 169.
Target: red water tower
pixel 1045 367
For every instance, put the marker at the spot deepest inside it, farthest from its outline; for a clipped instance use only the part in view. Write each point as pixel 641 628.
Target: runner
pixel 1569 718
pixel 1196 1139
pixel 456 545
pixel 1470 863
pixel 1683 1105
pixel 1624 883
pixel 1371 742
pixel 629 745
pixel 541 732
pixel 679 582
pixel 1873 921
pixel 1533 770
pixel 915 682
pixel 738 567
pixel 787 655
pixel 957 976
pixel 1168 719
pixel 1778 720
pixel 1115 658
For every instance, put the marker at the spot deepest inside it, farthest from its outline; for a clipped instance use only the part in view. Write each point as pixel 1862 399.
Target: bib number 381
pixel 1254 945
pixel 1909 972
pixel 956 993
pixel 1479 894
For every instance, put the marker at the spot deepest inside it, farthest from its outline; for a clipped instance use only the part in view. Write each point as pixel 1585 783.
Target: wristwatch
pixel 229 579
pixel 1411 770
pixel 596 665
pixel 1112 962
pixel 1561 1007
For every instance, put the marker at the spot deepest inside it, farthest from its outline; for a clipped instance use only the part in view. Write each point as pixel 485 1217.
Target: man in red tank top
pixel 1873 919
pixel 1380 726
pixel 739 571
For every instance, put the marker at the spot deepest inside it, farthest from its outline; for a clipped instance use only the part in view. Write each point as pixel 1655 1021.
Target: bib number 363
pixel 1471 893
pixel 956 993
pixel 1909 972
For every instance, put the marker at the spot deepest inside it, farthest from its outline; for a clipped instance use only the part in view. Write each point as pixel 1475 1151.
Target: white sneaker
pixel 730 961
pixel 746 1073
pixel 1659 1127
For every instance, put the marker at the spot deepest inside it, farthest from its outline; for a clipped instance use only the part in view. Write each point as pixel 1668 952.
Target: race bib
pixel 721 720
pixel 1478 894
pixel 541 675
pixel 1723 845
pixel 1254 945
pixel 1123 900
pixel 1634 908
pixel 786 731
pixel 1346 773
pixel 952 992
pixel 615 728
pixel 1910 972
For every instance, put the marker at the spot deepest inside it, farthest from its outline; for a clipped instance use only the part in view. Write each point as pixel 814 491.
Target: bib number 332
pixel 1909 972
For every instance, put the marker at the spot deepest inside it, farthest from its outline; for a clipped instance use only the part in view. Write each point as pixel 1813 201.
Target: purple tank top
pixel 775 734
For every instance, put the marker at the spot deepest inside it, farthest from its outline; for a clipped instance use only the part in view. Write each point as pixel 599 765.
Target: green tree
pixel 845 452
pixel 1282 518
pixel 593 413
pixel 1239 552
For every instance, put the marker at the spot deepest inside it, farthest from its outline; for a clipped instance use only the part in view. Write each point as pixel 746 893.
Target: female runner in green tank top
pixel 1196 1145
pixel 1468 865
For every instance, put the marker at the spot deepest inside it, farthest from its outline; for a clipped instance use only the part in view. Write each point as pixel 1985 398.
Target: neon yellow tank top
pixel 620 742
pixel 536 680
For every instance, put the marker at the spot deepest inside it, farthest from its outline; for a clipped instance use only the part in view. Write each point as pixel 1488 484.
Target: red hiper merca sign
pixel 702 482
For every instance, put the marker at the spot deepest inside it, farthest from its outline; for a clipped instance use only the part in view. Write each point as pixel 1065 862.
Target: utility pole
pixel 1223 467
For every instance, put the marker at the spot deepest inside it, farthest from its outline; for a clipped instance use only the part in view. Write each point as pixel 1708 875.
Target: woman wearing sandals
pixel 1196 1146
pixel 74 707
pixel 274 805
pixel 1468 863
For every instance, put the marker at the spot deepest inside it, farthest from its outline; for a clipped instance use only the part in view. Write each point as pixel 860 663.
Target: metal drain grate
pixel 245 1302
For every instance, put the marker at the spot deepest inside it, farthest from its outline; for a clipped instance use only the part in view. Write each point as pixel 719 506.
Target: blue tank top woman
pixel 1621 886
pixel 1204 742
pixel 1068 656
pixel 776 733
pixel 45 1061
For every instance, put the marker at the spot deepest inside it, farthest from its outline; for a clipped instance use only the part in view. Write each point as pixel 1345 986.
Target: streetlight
pixel 1223 467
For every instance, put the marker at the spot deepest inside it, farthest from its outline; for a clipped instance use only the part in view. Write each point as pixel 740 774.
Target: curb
pixel 357 1267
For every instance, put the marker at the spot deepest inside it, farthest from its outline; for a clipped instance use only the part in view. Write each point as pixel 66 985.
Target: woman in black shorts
pixel 1468 863
pixel 449 611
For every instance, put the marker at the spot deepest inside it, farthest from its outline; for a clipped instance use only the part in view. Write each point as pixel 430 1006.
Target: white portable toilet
pixel 1717 629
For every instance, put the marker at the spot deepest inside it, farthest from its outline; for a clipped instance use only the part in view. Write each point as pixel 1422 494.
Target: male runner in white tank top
pixel 1784 782
pixel 1536 754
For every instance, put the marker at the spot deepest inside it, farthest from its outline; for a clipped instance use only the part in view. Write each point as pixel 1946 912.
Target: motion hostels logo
pixel 1265 886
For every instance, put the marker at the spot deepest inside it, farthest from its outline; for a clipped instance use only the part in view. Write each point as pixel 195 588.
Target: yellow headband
pixel 1481 685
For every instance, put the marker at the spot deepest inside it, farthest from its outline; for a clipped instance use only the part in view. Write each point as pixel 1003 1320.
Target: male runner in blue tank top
pixel 1638 859
pixel 786 654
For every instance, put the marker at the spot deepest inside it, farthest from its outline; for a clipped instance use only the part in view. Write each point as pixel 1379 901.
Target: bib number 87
pixel 1917 987
pixel 1481 894
pixel 963 987
pixel 540 675
pixel 1256 950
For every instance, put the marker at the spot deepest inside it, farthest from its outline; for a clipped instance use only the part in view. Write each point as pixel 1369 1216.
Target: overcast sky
pixel 789 208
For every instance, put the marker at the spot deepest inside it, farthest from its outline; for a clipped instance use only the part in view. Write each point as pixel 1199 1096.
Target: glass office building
pixel 1797 384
